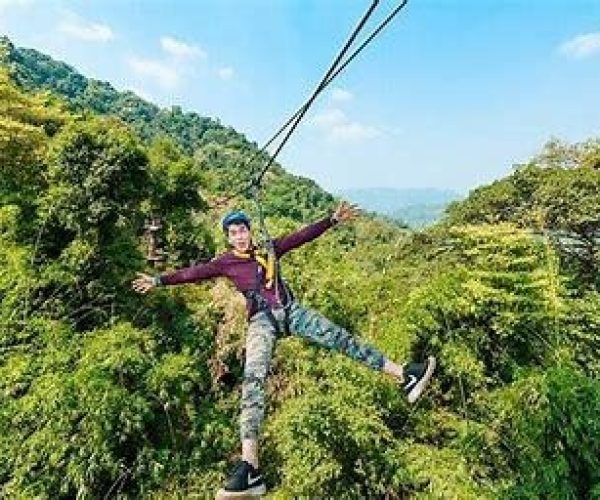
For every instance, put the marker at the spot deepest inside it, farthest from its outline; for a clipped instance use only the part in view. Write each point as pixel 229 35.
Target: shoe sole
pixel 239 495
pixel 418 389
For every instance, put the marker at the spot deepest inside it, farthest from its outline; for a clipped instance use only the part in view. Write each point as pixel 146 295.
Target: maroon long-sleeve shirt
pixel 243 272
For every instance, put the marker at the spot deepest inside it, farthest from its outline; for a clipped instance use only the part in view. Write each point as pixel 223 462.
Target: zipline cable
pixel 331 74
pixel 320 87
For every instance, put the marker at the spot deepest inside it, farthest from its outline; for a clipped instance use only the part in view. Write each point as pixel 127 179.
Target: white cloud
pixel 164 74
pixel 330 118
pixel 340 128
pixel 341 95
pixel 81 29
pixel 226 73
pixel 581 46
pixel 6 4
pixel 167 71
pixel 354 131
pixel 180 49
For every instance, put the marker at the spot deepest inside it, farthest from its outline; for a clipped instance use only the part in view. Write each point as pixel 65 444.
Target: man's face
pixel 239 237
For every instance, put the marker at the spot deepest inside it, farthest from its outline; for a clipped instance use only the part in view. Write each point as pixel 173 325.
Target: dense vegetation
pixel 107 393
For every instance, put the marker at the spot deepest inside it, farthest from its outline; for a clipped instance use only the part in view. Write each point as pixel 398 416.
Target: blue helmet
pixel 235 217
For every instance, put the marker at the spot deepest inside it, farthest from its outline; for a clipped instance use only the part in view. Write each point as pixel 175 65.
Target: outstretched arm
pixel 343 213
pixel 144 282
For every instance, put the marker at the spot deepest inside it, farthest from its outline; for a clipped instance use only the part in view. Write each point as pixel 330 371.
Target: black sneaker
pixel 243 481
pixel 416 377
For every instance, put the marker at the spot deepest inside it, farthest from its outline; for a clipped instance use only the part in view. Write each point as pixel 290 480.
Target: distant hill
pixel 416 207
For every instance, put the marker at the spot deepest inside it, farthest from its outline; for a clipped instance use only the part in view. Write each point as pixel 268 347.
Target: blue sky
pixel 451 96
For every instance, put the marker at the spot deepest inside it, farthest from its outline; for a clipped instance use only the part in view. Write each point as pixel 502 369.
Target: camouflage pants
pixel 260 341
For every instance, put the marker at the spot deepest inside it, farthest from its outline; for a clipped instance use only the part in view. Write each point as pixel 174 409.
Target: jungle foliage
pixel 106 393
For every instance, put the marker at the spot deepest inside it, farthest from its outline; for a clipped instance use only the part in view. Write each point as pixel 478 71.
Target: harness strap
pixel 263 306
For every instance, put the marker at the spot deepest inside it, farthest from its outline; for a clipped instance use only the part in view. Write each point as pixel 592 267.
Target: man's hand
pixel 144 283
pixel 345 212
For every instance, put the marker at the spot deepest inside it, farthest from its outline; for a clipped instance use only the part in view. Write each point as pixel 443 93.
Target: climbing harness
pixel 278 315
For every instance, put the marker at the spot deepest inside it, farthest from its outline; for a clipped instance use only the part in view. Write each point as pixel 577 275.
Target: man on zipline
pixel 273 313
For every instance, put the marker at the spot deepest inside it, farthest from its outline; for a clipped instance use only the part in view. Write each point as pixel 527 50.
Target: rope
pixel 334 71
